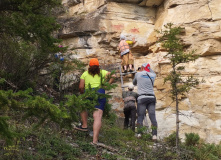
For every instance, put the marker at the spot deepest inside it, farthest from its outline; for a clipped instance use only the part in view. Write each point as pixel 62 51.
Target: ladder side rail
pixel 121 78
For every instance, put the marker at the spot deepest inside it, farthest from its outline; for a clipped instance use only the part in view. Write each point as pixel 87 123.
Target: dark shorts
pixel 101 101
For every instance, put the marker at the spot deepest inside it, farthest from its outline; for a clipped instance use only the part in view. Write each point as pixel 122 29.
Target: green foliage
pixel 55 146
pixel 176 54
pixel 111 118
pixel 180 84
pixel 108 156
pixel 26 39
pixel 5 131
pixel 42 144
pixel 147 137
pixel 145 132
pixel 87 100
pixel 191 139
pixel 87 147
pixel 207 152
pixel 107 109
pixel 27 50
pixel 111 136
pixel 171 139
pixel 44 110
pixel 24 103
pixel 52 142
pixel 142 130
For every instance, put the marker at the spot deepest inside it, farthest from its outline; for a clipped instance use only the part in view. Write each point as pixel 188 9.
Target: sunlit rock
pixel 91 28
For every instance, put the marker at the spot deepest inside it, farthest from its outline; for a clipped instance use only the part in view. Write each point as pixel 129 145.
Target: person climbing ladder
pixel 125 53
pixel 130 108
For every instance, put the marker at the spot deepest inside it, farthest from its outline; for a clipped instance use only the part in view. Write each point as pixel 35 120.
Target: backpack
pixel 129 97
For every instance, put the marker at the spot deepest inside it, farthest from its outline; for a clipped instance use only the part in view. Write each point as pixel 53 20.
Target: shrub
pixel 192 139
pixel 208 152
pixel 142 130
pixel 171 139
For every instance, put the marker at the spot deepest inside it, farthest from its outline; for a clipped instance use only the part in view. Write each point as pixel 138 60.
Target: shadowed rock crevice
pixel 80 26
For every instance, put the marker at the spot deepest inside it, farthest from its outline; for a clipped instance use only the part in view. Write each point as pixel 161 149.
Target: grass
pixel 50 142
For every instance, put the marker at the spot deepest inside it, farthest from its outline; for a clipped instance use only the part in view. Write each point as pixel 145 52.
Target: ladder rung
pixel 128 73
pixel 122 74
pixel 124 86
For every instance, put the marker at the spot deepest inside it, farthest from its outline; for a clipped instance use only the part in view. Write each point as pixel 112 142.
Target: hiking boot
pixel 130 70
pixel 80 128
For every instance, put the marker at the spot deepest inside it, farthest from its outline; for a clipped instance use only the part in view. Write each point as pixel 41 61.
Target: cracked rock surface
pixel 91 28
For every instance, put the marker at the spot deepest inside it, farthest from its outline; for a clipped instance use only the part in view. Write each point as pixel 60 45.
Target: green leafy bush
pixel 29 105
pixel 207 152
pixel 147 137
pixel 27 40
pixel 171 139
pixel 191 139
pixel 142 130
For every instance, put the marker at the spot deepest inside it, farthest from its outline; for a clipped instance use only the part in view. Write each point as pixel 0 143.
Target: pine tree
pixel 42 109
pixel 26 39
pixel 178 56
pixel 28 46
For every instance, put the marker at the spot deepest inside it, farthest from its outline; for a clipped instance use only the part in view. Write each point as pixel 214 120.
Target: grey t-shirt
pixel 144 83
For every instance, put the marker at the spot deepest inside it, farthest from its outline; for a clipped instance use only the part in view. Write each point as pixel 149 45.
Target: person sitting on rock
pixel 130 110
pixel 125 53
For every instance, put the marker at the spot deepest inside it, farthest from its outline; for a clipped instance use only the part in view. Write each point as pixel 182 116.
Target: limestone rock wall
pixel 91 28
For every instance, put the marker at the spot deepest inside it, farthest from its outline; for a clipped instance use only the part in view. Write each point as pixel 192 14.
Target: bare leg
pixel 84 119
pixel 125 67
pixel 97 124
pixel 130 65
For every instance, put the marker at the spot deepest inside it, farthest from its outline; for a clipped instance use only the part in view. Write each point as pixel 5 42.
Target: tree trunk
pixel 177 109
pixel 177 123
pixel 177 120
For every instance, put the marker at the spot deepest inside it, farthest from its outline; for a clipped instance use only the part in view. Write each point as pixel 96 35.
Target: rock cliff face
pixel 91 28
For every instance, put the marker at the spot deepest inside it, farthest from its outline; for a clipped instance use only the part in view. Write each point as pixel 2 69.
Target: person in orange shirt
pixel 125 53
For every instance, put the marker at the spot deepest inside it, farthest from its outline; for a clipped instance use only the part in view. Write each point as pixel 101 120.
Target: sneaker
pixel 138 135
pixel 154 138
pixel 130 70
pixel 94 144
pixel 80 128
